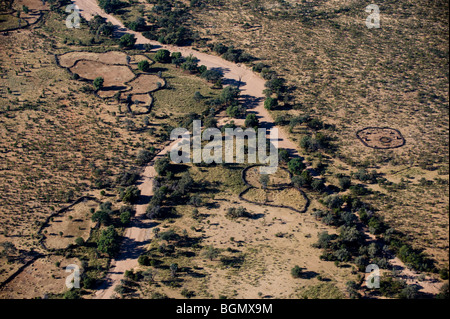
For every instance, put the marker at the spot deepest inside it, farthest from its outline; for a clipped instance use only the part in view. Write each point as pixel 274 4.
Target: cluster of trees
pixel 301 177
pixel 365 176
pixel 168 24
pixel 169 189
pixel 311 122
pixel 230 53
pixel 104 215
pixel 189 63
pixel 145 155
pixel 347 212
pixel 110 6
pixel 99 26
pixel 138 24
pixel 129 194
pixel 316 142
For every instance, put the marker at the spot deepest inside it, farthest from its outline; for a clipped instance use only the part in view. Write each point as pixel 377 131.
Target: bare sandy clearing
pixel 68 59
pixel 113 75
pixel 145 83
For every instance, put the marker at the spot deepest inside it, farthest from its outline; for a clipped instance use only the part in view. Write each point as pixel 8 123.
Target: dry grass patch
pixel 73 223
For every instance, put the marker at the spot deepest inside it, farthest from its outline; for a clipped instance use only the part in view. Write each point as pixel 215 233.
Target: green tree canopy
pixel 107 242
pixel 163 56
pixel 98 83
pixel 251 120
pixel 296 166
pixel 127 41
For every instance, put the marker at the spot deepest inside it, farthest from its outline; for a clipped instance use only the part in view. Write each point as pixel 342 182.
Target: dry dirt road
pixel 251 86
pixel 137 236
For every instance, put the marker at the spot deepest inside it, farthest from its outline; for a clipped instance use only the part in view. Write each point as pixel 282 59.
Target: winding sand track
pixel 251 86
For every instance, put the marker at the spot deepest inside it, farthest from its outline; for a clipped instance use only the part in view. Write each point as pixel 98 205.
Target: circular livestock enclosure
pixel 277 185
pixel 381 137
pixel 118 69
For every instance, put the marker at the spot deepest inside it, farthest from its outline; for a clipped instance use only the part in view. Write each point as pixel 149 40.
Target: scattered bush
pixel 296 272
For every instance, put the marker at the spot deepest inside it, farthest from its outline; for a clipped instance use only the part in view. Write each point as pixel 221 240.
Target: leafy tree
pixel 144 156
pixel 137 25
pixel 318 185
pixel 258 67
pixel 130 194
pixel 162 166
pixel 230 95
pixel 342 254
pixel 296 166
pixel 315 124
pixel 350 235
pixel 220 48
pixel 177 58
pixel 283 155
pixel 251 120
pixel 296 272
pixel 190 64
pixel 154 211
pixel 185 184
pixel 169 235
pixel 72 294
pixel 234 212
pixel 202 69
pixel 275 85
pixel 324 240
pixel 195 201
pixel 304 180
pixel 443 273
pixel 144 65
pixel 127 41
pixel 98 83
pixel 333 201
pixel 345 182
pixel 79 241
pixel 110 6
pixel 162 56
pixel 212 75
pixel 107 243
pixel 127 178
pixel 309 144
pixel 270 103
pixel 102 216
pixel 125 218
pixel 236 111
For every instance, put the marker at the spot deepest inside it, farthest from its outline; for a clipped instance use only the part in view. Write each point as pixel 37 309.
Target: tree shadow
pixel 309 274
